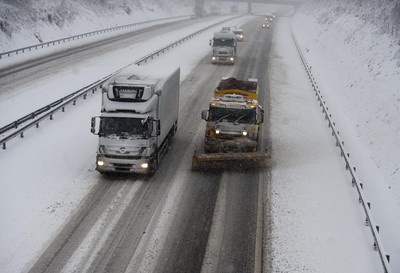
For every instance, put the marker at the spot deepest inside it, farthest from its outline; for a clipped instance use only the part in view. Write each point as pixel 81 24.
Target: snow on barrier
pixel 79 36
pixel 369 221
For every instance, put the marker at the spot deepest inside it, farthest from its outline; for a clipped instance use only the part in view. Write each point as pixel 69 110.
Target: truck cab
pixel 139 115
pixel 223 47
pixel 233 117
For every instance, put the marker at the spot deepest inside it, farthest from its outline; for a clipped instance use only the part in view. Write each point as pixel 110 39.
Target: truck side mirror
pixel 211 43
pixel 158 127
pixel 260 115
pixel 150 124
pixel 204 114
pixel 95 125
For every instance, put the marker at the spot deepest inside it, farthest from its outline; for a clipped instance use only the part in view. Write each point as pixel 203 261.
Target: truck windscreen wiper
pixel 218 120
pixel 237 121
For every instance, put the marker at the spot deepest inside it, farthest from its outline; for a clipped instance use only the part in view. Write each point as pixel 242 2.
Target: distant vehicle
pixel 238 34
pixel 266 24
pixel 223 46
pixel 198 8
pixel 198 12
pixel 269 17
pixel 232 127
pixel 139 116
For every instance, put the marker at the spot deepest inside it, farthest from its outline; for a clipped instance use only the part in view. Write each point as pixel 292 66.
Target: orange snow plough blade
pixel 213 161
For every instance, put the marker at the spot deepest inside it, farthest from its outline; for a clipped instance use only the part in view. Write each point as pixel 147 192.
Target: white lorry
pixel 139 116
pixel 223 46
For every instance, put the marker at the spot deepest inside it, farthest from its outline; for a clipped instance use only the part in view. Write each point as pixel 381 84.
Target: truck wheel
pixel 153 167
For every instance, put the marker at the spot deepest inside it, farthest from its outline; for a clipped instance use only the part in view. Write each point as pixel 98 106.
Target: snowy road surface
pixel 132 224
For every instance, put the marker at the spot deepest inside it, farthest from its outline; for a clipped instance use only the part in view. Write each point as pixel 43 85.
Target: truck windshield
pixel 224 42
pixel 123 127
pixel 234 115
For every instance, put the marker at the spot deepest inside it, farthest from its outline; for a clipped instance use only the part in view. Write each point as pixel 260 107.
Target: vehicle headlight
pixel 241 36
pixel 217 131
pixel 232 59
pixel 213 58
pixel 100 163
pixel 144 165
pixel 244 133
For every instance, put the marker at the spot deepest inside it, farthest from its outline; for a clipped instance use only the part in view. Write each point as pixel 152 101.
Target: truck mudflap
pixel 215 161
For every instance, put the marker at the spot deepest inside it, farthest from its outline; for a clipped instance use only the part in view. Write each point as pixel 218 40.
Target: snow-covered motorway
pixel 60 215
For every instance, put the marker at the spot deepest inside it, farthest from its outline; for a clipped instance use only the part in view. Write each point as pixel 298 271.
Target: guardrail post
pixel 4 146
pixel 22 135
pixel 51 117
pixel 37 125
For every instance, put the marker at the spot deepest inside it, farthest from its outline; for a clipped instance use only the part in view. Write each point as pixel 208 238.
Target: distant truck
pixel 232 127
pixel 139 116
pixel 223 46
pixel 198 8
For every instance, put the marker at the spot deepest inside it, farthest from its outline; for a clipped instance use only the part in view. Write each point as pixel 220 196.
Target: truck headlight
pixel 232 59
pixel 217 131
pixel 213 58
pixel 244 133
pixel 144 165
pixel 100 163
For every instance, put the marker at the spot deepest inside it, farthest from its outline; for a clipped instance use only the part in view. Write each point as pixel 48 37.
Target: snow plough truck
pixel 232 128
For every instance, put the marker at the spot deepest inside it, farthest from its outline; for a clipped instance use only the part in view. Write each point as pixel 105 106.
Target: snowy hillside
pixel 356 63
pixel 360 75
pixel 28 22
